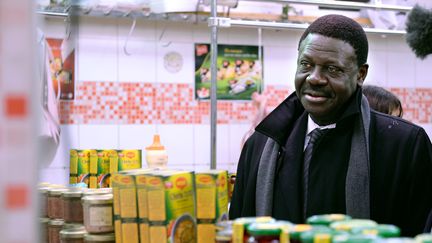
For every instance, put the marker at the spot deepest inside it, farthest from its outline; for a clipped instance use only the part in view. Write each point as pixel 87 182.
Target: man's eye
pixel 305 64
pixel 333 69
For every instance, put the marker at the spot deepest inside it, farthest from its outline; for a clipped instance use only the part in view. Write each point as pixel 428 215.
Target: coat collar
pixel 280 122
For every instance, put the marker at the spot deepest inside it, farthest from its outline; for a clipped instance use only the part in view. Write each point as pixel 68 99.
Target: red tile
pixel 16 106
pixel 17 197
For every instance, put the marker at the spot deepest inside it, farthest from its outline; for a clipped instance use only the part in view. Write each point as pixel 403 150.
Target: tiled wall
pixel 122 100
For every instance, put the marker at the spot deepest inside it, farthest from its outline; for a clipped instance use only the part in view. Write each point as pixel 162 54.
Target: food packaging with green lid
pixel 320 235
pixel 348 225
pixel 326 219
pixel 348 238
pixel 382 230
pixel 424 238
pixel 240 225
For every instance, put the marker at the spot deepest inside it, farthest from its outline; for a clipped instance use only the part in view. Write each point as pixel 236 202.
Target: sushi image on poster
pixel 239 72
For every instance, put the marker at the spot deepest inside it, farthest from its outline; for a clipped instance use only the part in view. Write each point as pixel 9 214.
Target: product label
pixel 100 216
pixel 206 233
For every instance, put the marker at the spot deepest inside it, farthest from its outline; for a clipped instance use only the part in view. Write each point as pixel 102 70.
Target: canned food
pixel 98 213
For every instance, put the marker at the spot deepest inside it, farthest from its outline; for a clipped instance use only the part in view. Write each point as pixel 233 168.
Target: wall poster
pixel 239 72
pixel 62 67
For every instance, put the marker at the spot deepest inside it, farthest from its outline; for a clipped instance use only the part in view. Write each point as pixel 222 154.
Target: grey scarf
pixel 357 178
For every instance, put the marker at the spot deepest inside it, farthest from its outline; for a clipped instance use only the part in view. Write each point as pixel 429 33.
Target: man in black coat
pixel 365 164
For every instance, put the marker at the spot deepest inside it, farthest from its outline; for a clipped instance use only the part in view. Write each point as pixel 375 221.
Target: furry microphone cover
pixel 419 31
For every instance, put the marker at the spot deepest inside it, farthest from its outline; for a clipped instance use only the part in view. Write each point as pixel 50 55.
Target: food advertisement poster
pixel 239 72
pixel 62 67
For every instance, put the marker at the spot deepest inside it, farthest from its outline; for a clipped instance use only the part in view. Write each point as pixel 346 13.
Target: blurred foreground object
pixel 419 31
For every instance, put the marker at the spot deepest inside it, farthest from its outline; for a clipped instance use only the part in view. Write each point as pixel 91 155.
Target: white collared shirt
pixel 311 126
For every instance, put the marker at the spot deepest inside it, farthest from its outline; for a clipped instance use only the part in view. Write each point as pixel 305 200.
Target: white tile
pixel 144 30
pixel 401 69
pixel 377 42
pixel 202 167
pixel 237 132
pixel 179 55
pixel 286 38
pixel 223 145
pixel 243 36
pixel 178 141
pixel 97 59
pixel 173 32
pixel 98 137
pixel 53 27
pixel 423 68
pixel 377 73
pixel 280 64
pixel 136 136
pixel 54 175
pixel 202 145
pixel 398 43
pixel 94 27
pixel 59 157
pixel 137 61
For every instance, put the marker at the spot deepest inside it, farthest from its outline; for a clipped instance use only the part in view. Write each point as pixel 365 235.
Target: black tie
pixel 314 137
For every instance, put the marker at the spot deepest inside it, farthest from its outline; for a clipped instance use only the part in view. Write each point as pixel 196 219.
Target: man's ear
pixel 362 73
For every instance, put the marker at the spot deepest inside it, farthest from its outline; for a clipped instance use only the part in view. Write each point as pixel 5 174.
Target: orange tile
pixel 17 197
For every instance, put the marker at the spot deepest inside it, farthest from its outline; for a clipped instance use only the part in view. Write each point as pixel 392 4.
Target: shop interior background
pixel 122 98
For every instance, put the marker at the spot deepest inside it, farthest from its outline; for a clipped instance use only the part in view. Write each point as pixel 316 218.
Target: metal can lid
pixel 101 237
pixel 100 191
pixel 56 222
pixel 56 191
pixel 98 199
pixel 75 193
pixel 73 233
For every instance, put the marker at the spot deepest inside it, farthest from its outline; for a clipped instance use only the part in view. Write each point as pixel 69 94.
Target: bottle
pixel 156 155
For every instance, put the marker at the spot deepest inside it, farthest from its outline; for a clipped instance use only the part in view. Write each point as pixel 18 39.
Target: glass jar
pixel 72 207
pixel 54 228
pixel 101 238
pixel 44 229
pixel 98 213
pixel 43 199
pixel 99 191
pixel 326 219
pixel 55 204
pixel 72 235
pixel 382 230
pixel 269 232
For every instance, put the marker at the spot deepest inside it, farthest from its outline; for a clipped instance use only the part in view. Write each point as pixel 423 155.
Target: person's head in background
pixel 383 100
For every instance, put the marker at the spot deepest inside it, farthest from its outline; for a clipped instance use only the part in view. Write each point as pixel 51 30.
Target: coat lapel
pixel 287 195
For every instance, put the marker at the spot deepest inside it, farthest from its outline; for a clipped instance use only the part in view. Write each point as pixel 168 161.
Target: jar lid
pixel 44 220
pixel 73 233
pixel 72 193
pixel 99 191
pixel 355 238
pixel 326 219
pixel 44 190
pixel 424 238
pixel 101 237
pixel 98 199
pixel 348 225
pixel 264 229
pixel 156 145
pixel 73 226
pixel 56 222
pixel 56 191
pixel 383 230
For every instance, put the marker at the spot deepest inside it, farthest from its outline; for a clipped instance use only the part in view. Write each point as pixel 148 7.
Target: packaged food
pixel 297 230
pixel 54 228
pixel 349 225
pixel 43 199
pixel 99 238
pixel 98 213
pixel 55 203
pixel 129 159
pixel 381 230
pixel 103 168
pixel 93 169
pixel 240 225
pixel 348 238
pixel 269 232
pixel 72 235
pixel 212 202
pixel 72 207
pixel 423 238
pixel 327 219
pixel 320 234
pixel 73 166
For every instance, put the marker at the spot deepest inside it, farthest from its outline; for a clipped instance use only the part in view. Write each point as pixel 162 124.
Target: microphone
pixel 419 31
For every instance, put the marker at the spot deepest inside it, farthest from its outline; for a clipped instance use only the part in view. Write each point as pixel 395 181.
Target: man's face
pixel 326 77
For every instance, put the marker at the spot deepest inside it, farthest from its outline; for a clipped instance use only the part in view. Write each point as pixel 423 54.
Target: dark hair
pixel 382 100
pixel 342 28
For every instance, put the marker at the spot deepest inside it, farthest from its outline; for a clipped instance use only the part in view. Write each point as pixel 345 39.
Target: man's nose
pixel 316 76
